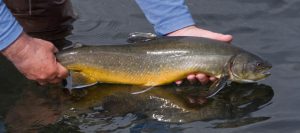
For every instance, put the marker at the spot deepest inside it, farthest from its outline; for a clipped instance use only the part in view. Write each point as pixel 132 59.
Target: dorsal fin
pixel 140 37
pixel 73 45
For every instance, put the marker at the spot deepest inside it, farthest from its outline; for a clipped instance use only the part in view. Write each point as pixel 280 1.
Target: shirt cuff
pixel 11 36
pixel 174 24
pixel 10 29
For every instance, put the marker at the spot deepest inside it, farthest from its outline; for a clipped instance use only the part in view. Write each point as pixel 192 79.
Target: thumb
pixel 62 71
pixel 54 49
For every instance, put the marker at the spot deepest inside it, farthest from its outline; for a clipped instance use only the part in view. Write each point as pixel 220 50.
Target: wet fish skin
pixel 163 60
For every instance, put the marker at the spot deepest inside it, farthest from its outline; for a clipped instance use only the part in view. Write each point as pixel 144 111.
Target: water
pixel 269 28
pixel 2 128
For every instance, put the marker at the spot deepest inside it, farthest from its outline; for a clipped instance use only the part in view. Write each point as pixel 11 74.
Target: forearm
pixel 166 15
pixel 11 39
pixel 14 51
pixel 33 57
pixel 10 29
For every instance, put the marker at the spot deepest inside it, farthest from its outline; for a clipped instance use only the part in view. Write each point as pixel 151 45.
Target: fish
pixel 162 60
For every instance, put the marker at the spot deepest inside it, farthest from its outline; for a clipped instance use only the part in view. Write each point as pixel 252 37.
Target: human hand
pixel 194 31
pixel 35 59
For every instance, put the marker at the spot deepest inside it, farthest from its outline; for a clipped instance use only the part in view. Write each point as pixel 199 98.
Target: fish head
pixel 246 67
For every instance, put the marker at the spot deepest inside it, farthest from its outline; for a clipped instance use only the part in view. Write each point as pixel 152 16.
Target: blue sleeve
pixel 10 29
pixel 166 15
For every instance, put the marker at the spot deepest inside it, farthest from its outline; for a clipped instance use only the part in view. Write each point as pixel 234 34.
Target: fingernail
pixel 178 82
pixel 212 78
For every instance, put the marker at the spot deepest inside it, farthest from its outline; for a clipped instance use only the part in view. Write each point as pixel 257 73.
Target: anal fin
pixel 77 80
pixel 217 86
pixel 143 91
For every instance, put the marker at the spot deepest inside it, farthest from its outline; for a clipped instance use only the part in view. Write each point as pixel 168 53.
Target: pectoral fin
pixel 221 82
pixel 217 86
pixel 140 37
pixel 77 80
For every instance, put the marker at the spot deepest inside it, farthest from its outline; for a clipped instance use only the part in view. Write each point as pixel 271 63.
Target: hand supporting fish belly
pixel 164 60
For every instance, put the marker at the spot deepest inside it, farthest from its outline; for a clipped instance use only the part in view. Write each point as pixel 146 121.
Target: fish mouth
pixel 267 69
pixel 260 76
pixel 266 73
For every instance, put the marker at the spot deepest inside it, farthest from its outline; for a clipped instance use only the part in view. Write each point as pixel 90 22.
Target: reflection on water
pixel 110 107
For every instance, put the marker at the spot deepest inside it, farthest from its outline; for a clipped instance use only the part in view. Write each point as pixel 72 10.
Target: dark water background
pixel 270 28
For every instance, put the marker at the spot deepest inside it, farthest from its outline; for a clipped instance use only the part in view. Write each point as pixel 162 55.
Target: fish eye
pixel 258 64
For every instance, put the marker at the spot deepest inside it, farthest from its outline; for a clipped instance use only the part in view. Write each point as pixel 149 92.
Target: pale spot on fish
pixel 167 52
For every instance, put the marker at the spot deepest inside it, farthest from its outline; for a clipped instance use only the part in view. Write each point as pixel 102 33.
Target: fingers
pixel 49 80
pixel 191 78
pixel 55 76
pixel 215 36
pixel 56 72
pixel 199 32
pixel 53 48
pixel 223 38
pixel 212 79
pixel 49 46
pixel 227 38
pixel 200 77
pixel 178 82
pixel 62 71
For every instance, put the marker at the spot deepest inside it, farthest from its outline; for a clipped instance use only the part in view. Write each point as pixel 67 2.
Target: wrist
pixel 182 31
pixel 14 50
